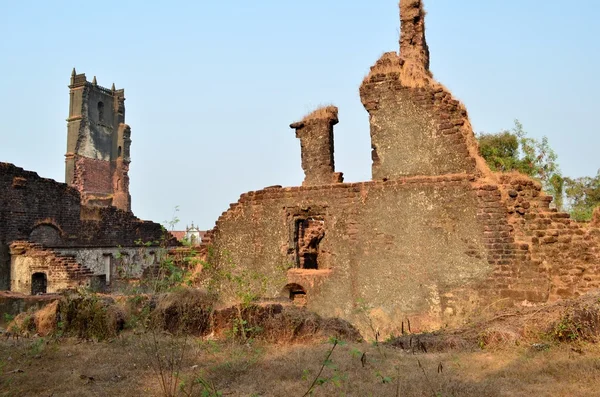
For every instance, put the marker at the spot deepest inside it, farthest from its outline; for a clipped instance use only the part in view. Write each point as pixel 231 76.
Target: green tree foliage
pixel 583 195
pixel 513 150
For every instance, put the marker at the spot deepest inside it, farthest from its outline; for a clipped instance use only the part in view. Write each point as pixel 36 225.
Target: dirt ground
pixel 127 366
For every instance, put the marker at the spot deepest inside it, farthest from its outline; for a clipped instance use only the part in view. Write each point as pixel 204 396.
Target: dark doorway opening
pixel 39 283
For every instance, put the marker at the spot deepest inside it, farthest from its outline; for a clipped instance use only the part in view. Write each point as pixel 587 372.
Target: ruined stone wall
pixel 433 238
pixel 27 201
pixel 49 212
pixel 116 262
pixel 566 252
pixel 417 126
pixel 417 248
pixel 4 267
pixel 61 272
pixel 414 130
pixel 427 249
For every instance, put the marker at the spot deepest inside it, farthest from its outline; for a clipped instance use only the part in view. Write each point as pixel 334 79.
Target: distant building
pixel 192 235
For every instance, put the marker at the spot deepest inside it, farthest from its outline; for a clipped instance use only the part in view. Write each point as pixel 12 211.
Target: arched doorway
pixel 39 283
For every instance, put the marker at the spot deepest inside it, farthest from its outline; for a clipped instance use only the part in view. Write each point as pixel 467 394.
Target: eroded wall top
pixel 417 127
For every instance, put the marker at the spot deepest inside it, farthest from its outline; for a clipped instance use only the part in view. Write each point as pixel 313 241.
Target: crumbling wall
pixel 417 127
pixel 116 262
pixel 565 251
pixel 413 45
pixel 4 267
pixel 409 247
pixel 428 249
pixel 61 272
pixel 32 207
pixel 315 132
pixel 435 237
pixel 50 213
pixel 415 130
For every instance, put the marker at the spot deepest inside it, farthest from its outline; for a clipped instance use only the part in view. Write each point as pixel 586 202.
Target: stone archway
pixel 46 234
pixel 296 293
pixel 39 283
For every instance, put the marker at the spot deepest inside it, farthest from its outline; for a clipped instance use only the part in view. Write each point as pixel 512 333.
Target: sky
pixel 212 86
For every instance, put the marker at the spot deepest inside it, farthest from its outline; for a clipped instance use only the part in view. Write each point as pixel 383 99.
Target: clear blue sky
pixel 211 87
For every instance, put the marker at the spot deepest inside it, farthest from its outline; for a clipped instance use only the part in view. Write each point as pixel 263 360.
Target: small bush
pixel 579 324
pixel 185 310
pixel 90 317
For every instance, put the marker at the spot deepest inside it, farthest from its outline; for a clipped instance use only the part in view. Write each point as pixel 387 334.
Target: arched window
pixel 119 150
pixel 100 111
pixel 46 234
pixel 296 293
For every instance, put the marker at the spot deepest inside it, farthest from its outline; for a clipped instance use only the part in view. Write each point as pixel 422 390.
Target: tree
pixel 583 195
pixel 514 151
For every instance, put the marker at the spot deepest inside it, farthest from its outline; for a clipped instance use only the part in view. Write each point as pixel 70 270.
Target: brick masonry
pixel 98 144
pixel 51 213
pixel 433 237
pixel 60 271
pixel 315 132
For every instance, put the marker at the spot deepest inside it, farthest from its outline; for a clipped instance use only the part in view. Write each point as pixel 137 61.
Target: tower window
pixel 100 111
pixel 119 151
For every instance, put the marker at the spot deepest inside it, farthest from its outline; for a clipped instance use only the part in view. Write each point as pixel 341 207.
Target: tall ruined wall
pixel 429 249
pixel 417 127
pixel 433 237
pixel 414 130
pixel 98 144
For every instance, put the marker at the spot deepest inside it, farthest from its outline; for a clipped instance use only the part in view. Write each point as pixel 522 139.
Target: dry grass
pixel 391 65
pixel 72 368
pixel 186 310
pixel 542 351
pixel 328 112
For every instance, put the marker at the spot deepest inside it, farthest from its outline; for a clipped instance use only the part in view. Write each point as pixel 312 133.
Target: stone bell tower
pixel 98 144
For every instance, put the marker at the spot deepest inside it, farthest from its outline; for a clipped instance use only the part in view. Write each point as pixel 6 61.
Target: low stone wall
pixel 12 303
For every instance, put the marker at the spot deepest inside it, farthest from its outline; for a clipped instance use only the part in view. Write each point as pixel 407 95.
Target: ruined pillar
pixel 413 46
pixel 315 132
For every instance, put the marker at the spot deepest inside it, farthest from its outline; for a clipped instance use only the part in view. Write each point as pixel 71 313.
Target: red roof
pixel 178 234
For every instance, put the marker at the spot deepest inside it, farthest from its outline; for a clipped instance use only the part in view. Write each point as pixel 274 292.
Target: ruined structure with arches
pixel 55 236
